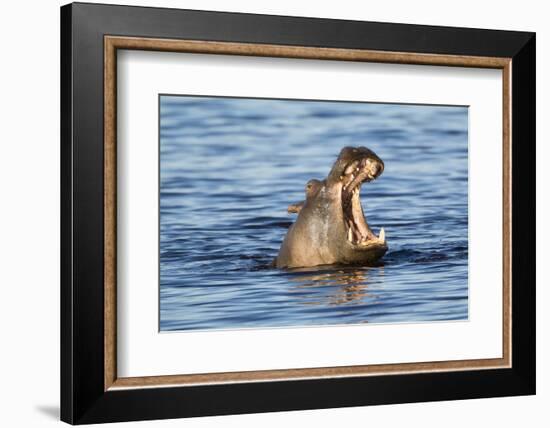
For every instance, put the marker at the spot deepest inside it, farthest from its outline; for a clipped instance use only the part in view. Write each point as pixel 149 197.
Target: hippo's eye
pixel 312 185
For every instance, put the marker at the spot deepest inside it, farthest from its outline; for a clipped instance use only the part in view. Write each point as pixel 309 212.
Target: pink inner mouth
pixel 355 174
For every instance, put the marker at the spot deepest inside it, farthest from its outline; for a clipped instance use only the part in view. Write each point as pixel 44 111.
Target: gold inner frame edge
pixel 113 43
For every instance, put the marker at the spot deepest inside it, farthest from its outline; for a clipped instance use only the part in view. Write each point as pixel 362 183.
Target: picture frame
pixel 91 390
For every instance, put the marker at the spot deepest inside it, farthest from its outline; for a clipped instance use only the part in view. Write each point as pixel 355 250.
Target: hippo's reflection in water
pixel 345 286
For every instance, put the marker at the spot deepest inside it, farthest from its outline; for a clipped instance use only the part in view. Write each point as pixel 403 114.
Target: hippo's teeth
pixel 350 238
pixel 382 235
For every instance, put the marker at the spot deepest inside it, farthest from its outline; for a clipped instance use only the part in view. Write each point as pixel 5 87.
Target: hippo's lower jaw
pixel 331 227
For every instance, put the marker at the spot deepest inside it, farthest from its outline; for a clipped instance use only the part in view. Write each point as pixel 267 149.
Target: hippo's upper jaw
pixel 331 227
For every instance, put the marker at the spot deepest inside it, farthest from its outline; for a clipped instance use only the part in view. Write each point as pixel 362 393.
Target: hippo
pixel 331 227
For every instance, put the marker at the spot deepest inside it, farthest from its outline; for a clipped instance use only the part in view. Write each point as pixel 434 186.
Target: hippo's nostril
pixel 379 168
pixel 374 166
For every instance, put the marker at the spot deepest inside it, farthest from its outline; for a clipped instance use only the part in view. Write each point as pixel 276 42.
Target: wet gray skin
pixel 331 227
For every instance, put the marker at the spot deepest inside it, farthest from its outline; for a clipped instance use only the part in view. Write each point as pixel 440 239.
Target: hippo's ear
pixel 295 208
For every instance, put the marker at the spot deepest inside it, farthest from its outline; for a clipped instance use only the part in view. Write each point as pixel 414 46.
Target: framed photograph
pixel 266 213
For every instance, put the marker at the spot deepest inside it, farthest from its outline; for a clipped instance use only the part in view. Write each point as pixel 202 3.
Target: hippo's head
pixel 331 227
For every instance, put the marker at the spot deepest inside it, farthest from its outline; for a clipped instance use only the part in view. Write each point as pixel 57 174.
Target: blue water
pixel 229 168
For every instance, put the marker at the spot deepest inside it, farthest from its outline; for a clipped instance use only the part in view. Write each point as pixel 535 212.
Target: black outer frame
pixel 83 399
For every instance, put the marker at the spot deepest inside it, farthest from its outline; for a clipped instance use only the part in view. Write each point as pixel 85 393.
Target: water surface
pixel 229 167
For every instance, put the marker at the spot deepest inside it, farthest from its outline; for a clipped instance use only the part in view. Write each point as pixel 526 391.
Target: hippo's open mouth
pixel 355 174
